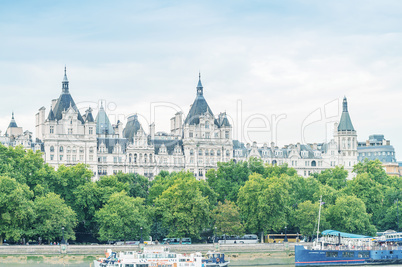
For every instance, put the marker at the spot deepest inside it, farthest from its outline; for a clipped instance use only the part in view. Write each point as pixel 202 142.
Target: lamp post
pixel 397 213
pixel 141 240
pixel 63 241
pixel 286 236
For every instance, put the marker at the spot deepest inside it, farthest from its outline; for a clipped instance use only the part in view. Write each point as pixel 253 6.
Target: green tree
pixel 228 178
pixel 227 219
pixel 53 214
pixel 373 168
pixel 305 218
pixel 92 196
pixel 263 203
pixel 182 207
pixel 349 215
pixel 16 209
pixel 365 187
pixel 68 179
pixel 138 184
pixel 122 218
pixel 334 177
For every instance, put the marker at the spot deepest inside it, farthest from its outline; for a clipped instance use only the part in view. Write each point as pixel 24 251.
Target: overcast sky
pixel 285 65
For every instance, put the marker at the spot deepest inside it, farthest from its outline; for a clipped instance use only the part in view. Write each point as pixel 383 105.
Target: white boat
pixel 157 257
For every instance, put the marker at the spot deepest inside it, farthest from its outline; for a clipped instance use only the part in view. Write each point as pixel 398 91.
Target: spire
pixel 12 122
pixel 345 124
pixel 65 82
pixel 199 85
pixel 345 105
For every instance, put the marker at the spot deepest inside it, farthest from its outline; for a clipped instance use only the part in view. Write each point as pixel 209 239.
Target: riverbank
pixel 77 256
pixel 277 258
pixel 100 249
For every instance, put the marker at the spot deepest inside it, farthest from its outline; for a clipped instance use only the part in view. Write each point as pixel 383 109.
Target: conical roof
pixel 132 127
pixel 345 124
pixel 199 107
pixel 103 125
pixel 65 101
pixel 12 124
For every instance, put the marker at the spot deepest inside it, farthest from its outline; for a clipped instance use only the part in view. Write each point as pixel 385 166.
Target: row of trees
pixel 36 201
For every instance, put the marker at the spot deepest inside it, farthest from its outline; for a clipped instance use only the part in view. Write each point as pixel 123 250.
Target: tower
pixel 346 138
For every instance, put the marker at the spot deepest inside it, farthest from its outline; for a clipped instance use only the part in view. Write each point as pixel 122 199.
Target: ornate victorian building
pixel 195 143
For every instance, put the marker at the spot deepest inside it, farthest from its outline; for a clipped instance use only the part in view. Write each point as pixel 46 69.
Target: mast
pixel 319 217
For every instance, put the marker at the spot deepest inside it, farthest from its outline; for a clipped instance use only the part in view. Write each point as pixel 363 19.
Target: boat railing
pixel 353 247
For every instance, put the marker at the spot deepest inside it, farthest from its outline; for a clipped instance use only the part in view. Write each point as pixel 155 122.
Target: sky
pixel 279 69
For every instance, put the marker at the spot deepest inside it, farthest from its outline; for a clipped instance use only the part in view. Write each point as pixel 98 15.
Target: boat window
pixel 129 265
pixel 363 254
pixel 331 254
pixel 348 254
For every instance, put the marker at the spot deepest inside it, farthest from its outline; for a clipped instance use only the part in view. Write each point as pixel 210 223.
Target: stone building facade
pixel 195 143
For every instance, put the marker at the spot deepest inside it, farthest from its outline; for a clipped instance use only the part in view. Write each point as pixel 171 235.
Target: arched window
pixel 274 162
pixel 212 153
pixel 135 158
pixel 227 153
pixel 68 149
pixel 207 125
pixel 150 158
pixel 206 152
pixel 61 149
pixel 191 152
pixel 218 152
pixel 145 158
pixel 200 152
pixel 52 149
pixel 129 157
pixel 313 163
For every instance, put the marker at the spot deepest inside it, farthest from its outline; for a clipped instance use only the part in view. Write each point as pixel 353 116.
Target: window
pixel 61 157
pixel 68 149
pixel 190 134
pixel 206 152
pixel 227 153
pixel 61 149
pixel 227 134
pixel 218 153
pixel 52 149
pixel 91 158
pixel 348 254
pixel 74 158
pixel 51 157
pixel 91 150
pixel 207 135
pixel 91 130
pixel 212 153
pixel 200 173
pixel 81 150
pixel 207 125
pixel 70 130
pixel 51 129
pixel 200 152
pixel 81 158
pixel 191 152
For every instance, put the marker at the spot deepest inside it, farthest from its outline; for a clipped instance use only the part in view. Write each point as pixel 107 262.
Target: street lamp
pixel 141 240
pixel 63 242
pixel 397 213
pixel 286 236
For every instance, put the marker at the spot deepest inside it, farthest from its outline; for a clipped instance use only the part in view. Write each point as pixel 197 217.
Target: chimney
pixel 152 130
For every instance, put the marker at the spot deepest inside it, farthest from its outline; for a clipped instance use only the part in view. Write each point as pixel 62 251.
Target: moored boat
pixel 343 249
pixel 160 257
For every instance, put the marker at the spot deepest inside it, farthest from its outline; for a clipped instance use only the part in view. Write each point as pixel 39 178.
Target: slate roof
pixel 51 116
pixel 170 144
pixel 88 115
pixel 222 120
pixel 12 124
pixel 345 124
pixel 200 107
pixel 103 125
pixel 132 127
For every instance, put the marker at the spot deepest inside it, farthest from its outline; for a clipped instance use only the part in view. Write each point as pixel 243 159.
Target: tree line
pixel 37 201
